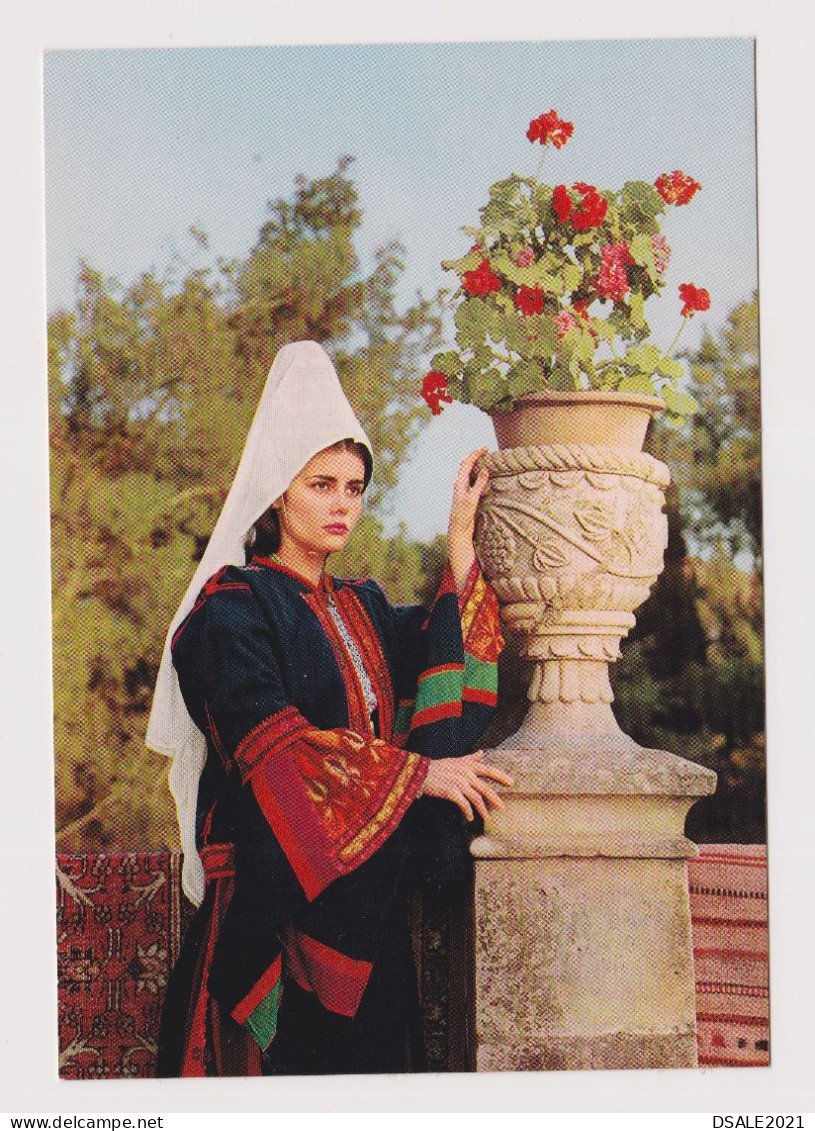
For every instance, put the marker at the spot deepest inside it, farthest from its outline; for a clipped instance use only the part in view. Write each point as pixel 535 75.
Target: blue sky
pixel 140 144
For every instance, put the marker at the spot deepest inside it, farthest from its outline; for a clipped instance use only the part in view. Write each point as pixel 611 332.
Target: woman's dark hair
pixel 263 539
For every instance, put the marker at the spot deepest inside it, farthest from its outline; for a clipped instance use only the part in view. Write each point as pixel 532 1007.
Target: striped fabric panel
pixel 438 695
pixel 480 680
pixel 258 1010
pixel 401 722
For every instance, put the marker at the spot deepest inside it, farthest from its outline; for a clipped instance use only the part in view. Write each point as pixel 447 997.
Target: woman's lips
pixel 337 528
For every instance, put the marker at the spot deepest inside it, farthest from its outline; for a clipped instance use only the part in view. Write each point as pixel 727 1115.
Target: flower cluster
pixel 590 212
pixel 482 281
pixel 694 298
pixel 549 128
pixel 529 300
pixel 543 268
pixel 612 279
pixel 565 321
pixel 676 188
pixel 662 253
pixel 434 391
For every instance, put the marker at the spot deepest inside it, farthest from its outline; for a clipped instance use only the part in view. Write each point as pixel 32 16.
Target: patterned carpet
pixel 120 920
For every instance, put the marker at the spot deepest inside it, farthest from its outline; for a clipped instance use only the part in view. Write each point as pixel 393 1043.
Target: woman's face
pixel 322 505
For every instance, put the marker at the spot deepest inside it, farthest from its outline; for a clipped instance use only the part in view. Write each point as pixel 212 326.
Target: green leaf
pixel 677 403
pixel 468 262
pixel 543 198
pixel 610 377
pixel 578 343
pixel 637 307
pixel 643 197
pixel 636 383
pixel 642 250
pixel 603 329
pixel 644 358
pixel 560 378
pixel 447 362
pixel 516 332
pixel 572 276
pixel 533 335
pixel 671 368
pixel 620 320
pixel 473 320
pixel 486 388
pixel 525 377
pixel 535 275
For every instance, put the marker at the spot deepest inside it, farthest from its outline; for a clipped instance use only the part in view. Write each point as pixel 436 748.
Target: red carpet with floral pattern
pixel 121 916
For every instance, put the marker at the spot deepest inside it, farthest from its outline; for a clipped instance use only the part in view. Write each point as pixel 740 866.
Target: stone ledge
pixel 600 764
pixel 634 848
pixel 612 1050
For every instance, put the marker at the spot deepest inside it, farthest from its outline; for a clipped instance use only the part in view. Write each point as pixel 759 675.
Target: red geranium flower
pixel 525 257
pixel 564 321
pixel 562 203
pixel 434 391
pixel 529 300
pixel 676 187
pixel 694 298
pixel 612 279
pixel 592 210
pixel 482 281
pixel 550 128
pixel 662 253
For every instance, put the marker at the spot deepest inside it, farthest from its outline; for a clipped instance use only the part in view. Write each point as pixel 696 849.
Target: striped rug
pixel 728 902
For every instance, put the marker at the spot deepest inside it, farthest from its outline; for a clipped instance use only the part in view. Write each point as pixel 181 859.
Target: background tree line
pixel 152 387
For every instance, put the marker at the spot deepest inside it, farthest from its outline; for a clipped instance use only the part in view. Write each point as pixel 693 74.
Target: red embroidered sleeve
pixel 331 797
pixel 480 618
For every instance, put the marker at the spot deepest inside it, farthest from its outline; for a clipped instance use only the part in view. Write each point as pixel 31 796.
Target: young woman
pixel 306 718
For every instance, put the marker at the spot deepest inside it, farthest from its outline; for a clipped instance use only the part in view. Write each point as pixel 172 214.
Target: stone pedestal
pixel 582 926
pixel 583 949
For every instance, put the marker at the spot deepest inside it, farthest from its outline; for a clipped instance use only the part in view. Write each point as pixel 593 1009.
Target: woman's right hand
pixel 464 781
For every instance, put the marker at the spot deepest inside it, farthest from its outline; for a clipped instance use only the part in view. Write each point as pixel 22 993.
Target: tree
pixel 717 460
pixel 152 389
pixel 691 678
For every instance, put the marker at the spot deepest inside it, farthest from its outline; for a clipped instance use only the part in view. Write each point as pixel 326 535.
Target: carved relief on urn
pixel 572 538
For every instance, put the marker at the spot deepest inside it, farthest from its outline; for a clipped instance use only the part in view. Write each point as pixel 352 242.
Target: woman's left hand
pixel 466 494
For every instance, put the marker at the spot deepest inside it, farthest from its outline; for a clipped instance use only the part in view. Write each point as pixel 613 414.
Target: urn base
pixel 581 899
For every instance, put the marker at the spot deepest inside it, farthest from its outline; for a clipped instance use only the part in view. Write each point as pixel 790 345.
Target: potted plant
pixel 552 340
pixel 550 308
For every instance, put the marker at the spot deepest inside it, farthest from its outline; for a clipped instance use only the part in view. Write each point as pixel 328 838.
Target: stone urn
pixel 580 891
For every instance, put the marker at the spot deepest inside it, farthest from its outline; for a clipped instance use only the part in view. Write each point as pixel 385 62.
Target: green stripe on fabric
pixel 262 1021
pixel 401 722
pixel 480 674
pixel 441 687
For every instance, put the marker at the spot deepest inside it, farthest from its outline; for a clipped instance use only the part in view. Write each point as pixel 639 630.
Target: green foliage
pixel 692 676
pixel 151 391
pixel 530 259
pixel 717 456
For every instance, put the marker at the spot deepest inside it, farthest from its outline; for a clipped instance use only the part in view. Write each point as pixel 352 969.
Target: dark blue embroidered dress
pixel 298 959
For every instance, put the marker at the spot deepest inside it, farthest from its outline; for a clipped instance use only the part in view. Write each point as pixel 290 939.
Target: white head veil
pixel 302 410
